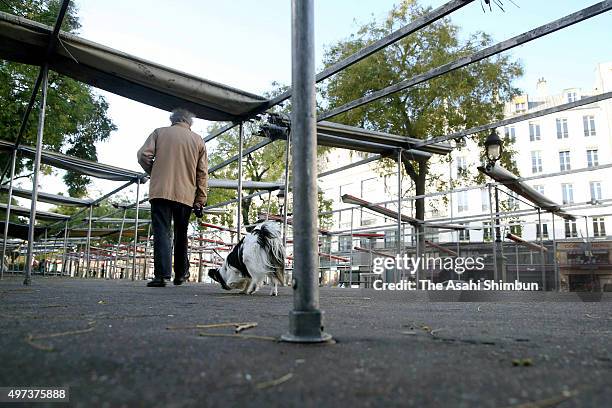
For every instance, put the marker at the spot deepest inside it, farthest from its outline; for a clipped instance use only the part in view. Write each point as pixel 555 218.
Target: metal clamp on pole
pixel 305 320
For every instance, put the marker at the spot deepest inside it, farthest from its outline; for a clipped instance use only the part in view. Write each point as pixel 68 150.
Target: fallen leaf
pixel 273 383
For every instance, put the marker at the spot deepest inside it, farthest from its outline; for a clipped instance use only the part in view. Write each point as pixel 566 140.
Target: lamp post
pixel 493 150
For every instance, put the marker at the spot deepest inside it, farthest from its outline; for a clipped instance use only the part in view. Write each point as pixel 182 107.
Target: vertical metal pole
pixel 136 229
pixel 305 320
pixel 44 260
pixel 269 205
pixel 54 254
pixel 286 197
pixel 240 149
pixel 399 215
pixel 119 242
pixel 493 225
pixel 351 253
pixel 146 252
pixel 200 275
pixel 8 211
pixel 586 238
pixel 88 250
pixel 34 199
pixel 542 260
pixel 554 249
pixel 516 255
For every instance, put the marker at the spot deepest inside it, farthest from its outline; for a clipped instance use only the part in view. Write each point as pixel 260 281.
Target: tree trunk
pixel 420 214
pixel 246 206
pixel 419 183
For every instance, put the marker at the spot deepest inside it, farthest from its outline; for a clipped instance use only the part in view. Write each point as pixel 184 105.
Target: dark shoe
pixel 157 283
pixel 182 280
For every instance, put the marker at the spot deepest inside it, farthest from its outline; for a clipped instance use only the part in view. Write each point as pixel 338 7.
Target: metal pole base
pixel 306 327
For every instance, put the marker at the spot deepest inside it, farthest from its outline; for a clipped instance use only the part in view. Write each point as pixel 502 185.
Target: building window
pixel 539 188
pixel 592 158
pixel 391 238
pixel 544 231
pixel 344 243
pixel 462 201
pixel 464 234
pixel 534 131
pixel 595 188
pixel 599 227
pixel 487 231
pixel 570 229
pixel 513 202
pixel 588 122
pixel 571 96
pixel 568 193
pixel 520 106
pixel 516 228
pixel 484 197
pixel 564 160
pixel 562 132
pixel 368 190
pixel 510 133
pixel 536 162
pixel 461 166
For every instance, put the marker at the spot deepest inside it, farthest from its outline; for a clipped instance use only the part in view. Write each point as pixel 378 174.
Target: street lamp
pixel 493 147
pixel 493 150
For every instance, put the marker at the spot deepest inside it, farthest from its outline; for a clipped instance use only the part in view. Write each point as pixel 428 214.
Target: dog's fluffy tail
pixel 269 238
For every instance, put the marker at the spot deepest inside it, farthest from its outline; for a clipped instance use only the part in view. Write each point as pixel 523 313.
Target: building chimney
pixel 541 88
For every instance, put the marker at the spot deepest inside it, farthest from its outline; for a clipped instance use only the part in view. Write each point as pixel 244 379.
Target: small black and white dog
pixel 259 254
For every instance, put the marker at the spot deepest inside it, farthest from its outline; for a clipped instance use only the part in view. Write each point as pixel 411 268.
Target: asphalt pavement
pixel 121 344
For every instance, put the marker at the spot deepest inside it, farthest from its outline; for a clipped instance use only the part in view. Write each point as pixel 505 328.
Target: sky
pixel 247 44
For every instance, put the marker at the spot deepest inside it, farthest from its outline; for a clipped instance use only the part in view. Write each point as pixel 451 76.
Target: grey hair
pixel 181 115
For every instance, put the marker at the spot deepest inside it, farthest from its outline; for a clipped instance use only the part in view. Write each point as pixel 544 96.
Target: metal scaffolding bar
pixel 8 211
pixel 65 247
pixel 239 192
pixel 39 141
pixel 136 229
pixel 39 80
pixel 528 36
pixel 363 53
pixel 305 320
pixel 286 191
pixel 88 239
pixel 350 166
pixel 119 243
pixel 395 36
pixel 245 152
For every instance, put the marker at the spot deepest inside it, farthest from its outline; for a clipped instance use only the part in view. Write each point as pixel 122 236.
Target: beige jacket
pixel 175 158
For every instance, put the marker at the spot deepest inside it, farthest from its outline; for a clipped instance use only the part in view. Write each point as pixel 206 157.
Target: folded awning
pixel 49 198
pixel 20 231
pixel 25 41
pixel 40 215
pixel 513 182
pixel 355 138
pixel 357 135
pixel 81 166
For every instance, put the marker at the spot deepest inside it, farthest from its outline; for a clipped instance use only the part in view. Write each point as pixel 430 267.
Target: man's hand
pixel 197 210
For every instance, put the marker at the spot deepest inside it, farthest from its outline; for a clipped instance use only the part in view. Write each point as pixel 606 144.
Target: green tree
pixel 76 118
pixel 471 96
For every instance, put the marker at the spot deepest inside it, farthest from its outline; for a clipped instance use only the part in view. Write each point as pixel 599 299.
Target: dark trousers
pixel 162 214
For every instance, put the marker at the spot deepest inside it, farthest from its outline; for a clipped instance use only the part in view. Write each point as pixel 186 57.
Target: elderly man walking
pixel 175 158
